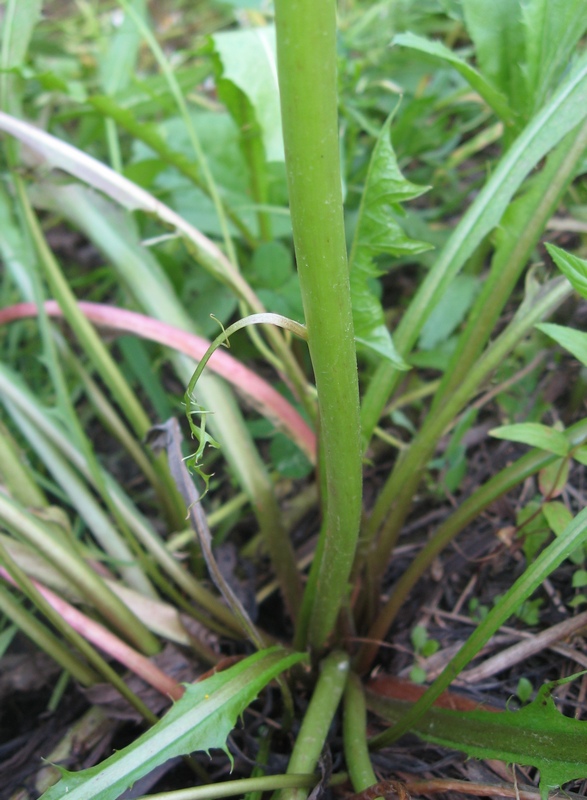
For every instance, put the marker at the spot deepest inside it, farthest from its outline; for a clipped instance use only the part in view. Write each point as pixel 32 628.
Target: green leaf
pixel 575 269
pixel 579 600
pixel 450 311
pixel 553 478
pixel 535 435
pixel 377 233
pixel 579 579
pixel 201 720
pixel 537 735
pixel 533 528
pixel 524 690
pixel 149 134
pixel 430 647
pixel 117 65
pixel 18 22
pixel 542 134
pixel 250 62
pixel 494 98
pixel 418 675
pixel 572 340
pixel 287 458
pixel 552 30
pixel 496 30
pixel 419 637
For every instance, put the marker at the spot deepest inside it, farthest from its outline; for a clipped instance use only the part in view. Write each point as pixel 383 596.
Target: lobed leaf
pixel 378 233
pixel 536 735
pixel 201 720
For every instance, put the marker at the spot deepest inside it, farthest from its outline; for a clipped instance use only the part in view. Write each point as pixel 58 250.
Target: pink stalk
pixel 254 390
pixel 100 636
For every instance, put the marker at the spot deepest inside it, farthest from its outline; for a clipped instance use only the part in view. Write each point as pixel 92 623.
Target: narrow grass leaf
pixel 535 435
pixel 18 23
pixel 497 32
pixel 249 61
pixel 450 312
pixel 117 66
pixel 201 720
pixel 148 133
pixel 494 98
pixel 378 234
pixel 552 30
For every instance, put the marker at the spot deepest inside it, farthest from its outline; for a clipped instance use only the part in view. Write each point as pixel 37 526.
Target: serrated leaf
pixel 575 269
pixel 201 720
pixel 536 435
pixel 377 233
pixel 494 98
pixel 537 735
pixel 572 340
pixel 249 61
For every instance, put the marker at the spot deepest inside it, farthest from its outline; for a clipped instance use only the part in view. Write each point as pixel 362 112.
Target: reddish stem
pixel 254 390
pixel 100 636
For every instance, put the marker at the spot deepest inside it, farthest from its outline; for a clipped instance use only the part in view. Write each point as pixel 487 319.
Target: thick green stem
pixel 356 752
pixel 306 48
pixel 317 719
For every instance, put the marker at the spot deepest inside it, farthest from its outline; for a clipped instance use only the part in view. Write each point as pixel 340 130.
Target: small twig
pixel 434 785
pixel 389 790
pixel 524 649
